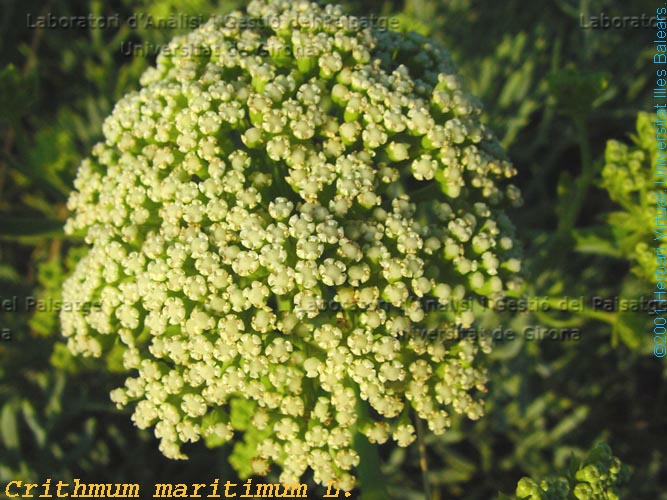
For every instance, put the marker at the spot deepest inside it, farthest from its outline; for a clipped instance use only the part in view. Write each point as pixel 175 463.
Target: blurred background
pixel 565 99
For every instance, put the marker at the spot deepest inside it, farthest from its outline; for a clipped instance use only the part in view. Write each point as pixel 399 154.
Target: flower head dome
pixel 275 219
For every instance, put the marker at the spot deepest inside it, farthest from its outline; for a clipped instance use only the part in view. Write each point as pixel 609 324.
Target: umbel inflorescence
pixel 271 219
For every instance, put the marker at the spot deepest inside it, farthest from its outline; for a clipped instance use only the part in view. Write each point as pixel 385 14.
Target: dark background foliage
pixel 555 92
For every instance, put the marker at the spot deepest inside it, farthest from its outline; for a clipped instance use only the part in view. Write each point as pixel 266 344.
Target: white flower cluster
pixel 268 219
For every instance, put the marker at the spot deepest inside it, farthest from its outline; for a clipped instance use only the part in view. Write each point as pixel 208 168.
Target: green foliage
pixel 17 93
pixel 627 176
pixel 547 399
pixel 599 476
pixel 576 91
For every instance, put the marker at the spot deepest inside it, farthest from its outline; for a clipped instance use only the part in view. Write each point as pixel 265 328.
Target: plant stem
pixel 581 310
pixel 423 460
pixel 561 240
pixel 9 141
pixel 582 183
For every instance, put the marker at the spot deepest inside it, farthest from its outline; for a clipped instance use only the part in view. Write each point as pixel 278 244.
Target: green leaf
pixel 212 418
pixel 30 416
pixel 458 468
pixel 9 275
pixel 577 90
pixel 447 476
pixel 564 189
pixel 569 423
pixel 56 390
pixel 9 426
pixel 598 240
pixel 241 412
pixel 29 228
pixel 245 450
pixel 630 328
pixel 373 485
pixel 17 93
